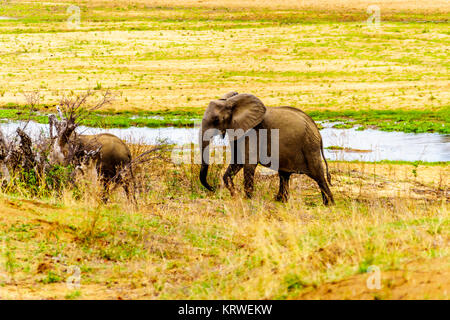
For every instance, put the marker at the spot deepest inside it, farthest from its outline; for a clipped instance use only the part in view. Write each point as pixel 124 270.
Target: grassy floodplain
pixel 166 59
pixel 416 121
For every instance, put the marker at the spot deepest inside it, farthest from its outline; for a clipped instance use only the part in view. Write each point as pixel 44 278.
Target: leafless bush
pixel 43 160
pixel 66 148
pixel 33 99
pixel 20 156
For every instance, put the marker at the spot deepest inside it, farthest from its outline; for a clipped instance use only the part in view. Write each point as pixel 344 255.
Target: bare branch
pixel 61 115
pixel 52 122
pixel 3 146
pixel 142 158
pixel 29 160
pixel 76 109
pixel 33 99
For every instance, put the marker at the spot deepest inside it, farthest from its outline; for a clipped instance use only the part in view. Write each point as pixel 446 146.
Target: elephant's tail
pixel 326 163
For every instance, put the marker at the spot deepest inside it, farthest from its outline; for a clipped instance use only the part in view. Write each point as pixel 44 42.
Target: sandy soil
pixel 428 279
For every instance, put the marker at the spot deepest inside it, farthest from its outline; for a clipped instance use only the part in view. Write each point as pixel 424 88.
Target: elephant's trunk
pixel 205 165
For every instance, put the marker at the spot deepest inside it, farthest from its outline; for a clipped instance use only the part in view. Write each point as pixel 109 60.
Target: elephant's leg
pixel 129 185
pixel 108 179
pixel 131 196
pixel 106 190
pixel 327 196
pixel 324 197
pixel 249 176
pixel 283 193
pixel 317 173
pixel 232 170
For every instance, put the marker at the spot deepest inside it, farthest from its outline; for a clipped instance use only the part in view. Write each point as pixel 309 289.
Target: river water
pixel 365 145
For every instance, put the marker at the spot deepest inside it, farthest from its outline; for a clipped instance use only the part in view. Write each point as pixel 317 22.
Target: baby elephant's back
pixel 114 152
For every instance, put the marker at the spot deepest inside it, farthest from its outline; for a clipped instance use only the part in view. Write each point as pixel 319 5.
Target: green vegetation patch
pixel 106 119
pixel 52 13
pixel 415 121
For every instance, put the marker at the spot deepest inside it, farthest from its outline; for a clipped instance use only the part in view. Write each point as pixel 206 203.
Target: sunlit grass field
pixel 172 57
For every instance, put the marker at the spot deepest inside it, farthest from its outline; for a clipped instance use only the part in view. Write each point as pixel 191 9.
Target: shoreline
pixel 408 121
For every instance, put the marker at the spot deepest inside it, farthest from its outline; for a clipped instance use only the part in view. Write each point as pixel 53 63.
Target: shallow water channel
pixel 365 145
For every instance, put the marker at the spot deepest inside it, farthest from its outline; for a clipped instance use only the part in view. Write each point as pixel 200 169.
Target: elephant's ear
pixel 228 95
pixel 247 111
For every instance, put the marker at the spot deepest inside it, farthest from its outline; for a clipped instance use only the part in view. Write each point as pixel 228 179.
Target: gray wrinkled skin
pixel 300 143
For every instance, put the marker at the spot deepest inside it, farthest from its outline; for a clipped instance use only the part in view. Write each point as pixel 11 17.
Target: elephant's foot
pixel 282 198
pixel 229 185
pixel 327 197
pixel 230 188
pixel 328 202
pixel 248 191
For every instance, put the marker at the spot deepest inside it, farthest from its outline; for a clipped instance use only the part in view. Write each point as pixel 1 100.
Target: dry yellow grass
pixel 185 243
pixel 413 5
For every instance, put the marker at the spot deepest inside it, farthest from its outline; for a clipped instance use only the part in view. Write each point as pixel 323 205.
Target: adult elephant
pixel 299 143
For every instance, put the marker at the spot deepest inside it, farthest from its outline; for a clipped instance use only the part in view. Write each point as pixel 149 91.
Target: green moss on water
pixel 335 148
pixel 200 17
pixel 416 121
pixel 107 119
pixel 399 162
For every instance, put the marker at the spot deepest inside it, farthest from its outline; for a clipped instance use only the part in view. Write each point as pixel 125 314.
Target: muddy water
pixel 365 145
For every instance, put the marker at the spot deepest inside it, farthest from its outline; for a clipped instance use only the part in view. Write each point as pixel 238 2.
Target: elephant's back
pixel 292 123
pixel 113 150
pixel 299 136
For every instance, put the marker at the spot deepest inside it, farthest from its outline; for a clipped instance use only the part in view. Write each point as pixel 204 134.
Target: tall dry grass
pixel 182 242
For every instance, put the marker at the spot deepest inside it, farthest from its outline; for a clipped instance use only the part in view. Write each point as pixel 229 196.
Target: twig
pixel 33 98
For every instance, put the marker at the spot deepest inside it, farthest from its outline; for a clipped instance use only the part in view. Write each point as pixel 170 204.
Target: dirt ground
pixel 387 216
pixel 417 280
pixel 428 279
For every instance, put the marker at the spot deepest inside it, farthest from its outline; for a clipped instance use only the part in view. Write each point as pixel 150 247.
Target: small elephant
pixel 110 155
pixel 113 155
pixel 300 147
